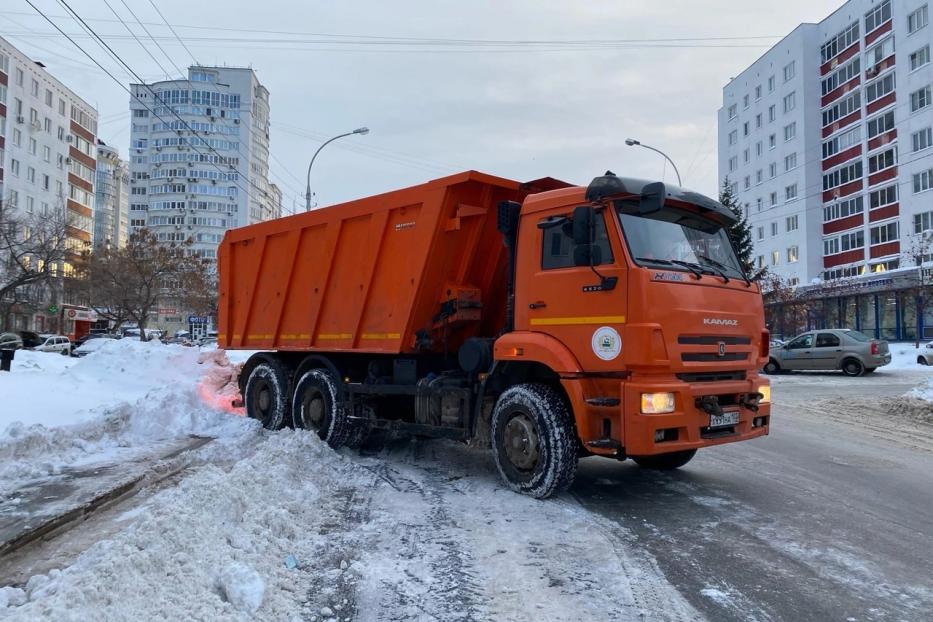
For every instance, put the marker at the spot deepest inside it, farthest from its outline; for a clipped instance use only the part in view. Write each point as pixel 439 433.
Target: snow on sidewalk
pixel 298 531
pixel 57 411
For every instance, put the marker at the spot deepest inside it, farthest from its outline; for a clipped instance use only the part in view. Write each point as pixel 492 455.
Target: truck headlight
pixel 657 403
pixel 765 391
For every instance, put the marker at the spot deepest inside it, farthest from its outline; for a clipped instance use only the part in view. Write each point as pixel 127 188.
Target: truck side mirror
pixel 582 225
pixel 587 255
pixel 652 198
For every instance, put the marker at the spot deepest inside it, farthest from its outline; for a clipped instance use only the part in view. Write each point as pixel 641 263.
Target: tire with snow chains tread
pixel 315 407
pixel 266 394
pixel 665 462
pixel 534 440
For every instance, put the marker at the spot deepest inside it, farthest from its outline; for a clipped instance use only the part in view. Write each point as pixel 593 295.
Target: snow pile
pixel 59 411
pixel 904 356
pixel 923 392
pixel 214 547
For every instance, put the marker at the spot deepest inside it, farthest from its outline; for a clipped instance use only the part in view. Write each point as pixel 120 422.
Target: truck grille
pixel 712 340
pixel 721 376
pixel 710 357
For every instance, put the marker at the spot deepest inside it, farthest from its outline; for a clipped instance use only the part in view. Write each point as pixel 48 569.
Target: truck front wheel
pixel 316 408
pixel 534 440
pixel 266 395
pixel 665 462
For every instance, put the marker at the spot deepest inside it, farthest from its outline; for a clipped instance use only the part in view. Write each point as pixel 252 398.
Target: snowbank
pixel 57 411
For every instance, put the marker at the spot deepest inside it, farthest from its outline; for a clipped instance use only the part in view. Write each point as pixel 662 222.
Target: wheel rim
pixel 521 442
pixel 313 411
pixel 852 368
pixel 262 402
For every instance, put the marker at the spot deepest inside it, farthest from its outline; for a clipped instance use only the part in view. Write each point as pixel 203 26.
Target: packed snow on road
pixel 278 526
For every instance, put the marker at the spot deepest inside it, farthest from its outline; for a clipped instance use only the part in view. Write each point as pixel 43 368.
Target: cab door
pixel 828 351
pixel 574 304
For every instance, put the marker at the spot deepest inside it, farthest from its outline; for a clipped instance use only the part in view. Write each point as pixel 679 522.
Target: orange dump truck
pixel 557 321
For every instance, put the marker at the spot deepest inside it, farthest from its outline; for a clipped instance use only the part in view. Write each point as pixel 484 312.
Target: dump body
pixel 416 269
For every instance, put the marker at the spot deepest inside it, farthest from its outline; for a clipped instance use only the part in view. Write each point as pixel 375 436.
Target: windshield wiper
pixel 715 266
pixel 723 267
pixel 695 268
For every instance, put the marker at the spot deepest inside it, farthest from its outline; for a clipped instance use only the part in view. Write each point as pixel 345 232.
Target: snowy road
pixel 829 518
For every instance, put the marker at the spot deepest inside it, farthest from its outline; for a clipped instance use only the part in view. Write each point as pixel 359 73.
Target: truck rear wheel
pixel 665 462
pixel 316 408
pixel 266 396
pixel 534 440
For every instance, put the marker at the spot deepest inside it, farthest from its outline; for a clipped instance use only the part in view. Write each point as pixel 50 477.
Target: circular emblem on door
pixel 607 344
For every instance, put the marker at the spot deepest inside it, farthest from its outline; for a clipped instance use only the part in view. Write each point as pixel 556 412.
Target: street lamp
pixel 360 130
pixel 631 142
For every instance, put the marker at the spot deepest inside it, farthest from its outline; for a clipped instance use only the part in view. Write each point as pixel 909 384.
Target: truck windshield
pixel 679 239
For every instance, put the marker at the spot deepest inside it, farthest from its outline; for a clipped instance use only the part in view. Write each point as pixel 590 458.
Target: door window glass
pixel 827 340
pixel 805 341
pixel 557 249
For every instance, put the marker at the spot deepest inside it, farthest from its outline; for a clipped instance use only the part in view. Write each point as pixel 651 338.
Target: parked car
pixel 31 339
pixel 55 343
pixel 925 356
pixel 10 341
pixel 849 350
pixel 91 345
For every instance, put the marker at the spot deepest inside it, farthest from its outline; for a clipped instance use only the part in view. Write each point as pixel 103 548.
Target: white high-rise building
pixel 827 139
pixel 199 156
pixel 111 212
pixel 47 165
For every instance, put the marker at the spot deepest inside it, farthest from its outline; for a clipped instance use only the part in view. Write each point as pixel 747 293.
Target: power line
pixel 145 49
pixel 146 30
pixel 174 33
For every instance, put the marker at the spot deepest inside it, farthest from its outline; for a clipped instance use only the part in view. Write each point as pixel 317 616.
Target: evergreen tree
pixel 741 232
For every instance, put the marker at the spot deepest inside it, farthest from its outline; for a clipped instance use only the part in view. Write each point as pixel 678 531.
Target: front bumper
pixel 688 427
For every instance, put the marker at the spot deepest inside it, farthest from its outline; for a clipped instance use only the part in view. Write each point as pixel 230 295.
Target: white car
pixel 925 354
pixel 55 343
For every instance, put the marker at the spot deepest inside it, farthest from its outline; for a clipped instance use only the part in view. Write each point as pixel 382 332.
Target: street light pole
pixel 360 130
pixel 631 142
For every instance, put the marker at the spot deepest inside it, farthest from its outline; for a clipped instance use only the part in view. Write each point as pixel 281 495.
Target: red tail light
pixel 874 347
pixel 765 347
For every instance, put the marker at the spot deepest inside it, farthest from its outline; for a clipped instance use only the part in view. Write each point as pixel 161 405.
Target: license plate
pixel 728 418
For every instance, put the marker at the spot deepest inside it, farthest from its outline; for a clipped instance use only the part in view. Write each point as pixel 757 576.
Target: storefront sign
pixel 197 319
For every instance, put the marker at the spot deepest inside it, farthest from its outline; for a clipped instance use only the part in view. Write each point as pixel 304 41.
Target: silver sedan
pixel 849 350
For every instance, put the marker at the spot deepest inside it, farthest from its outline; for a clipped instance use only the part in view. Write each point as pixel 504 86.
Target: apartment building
pixel 199 156
pixel 47 163
pixel 111 209
pixel 827 139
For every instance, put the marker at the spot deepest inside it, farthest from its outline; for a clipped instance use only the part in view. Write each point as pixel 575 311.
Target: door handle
pixel 537 305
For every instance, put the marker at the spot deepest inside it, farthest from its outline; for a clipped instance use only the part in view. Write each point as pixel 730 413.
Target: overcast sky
pixel 513 108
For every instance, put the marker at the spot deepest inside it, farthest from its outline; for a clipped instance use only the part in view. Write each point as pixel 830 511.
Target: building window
pixel 773 199
pixel 790 101
pixel 879 88
pixel 790 162
pixel 757 92
pixel 19 77
pixel 775 257
pixel 761 261
pixel 923 180
pixel 918 19
pixel 792 254
pixel 17 137
pixel 733 137
pixel 758 203
pixel 922 139
pixel 840 42
pixel 31 175
pixel 46 181
pixel 877 16
pixel 790 131
pixel 882 196
pixel 841 176
pixel 791 223
pixel 733 163
pixel 772 113
pixel 14 166
pixel 789 71
pixel 33 146
pixel 920 58
pixel 46 154
pixel 842 108
pixel 772 141
pixel 884 233
pixel 843 208
pixel 733 112
pixel 923 222
pixel 790 193
pixel 881 124
pixel 771 84
pixel 759 177
pixel 920 98
pixel 758 149
pixel 881 161
pixel 758 121
pixel 761 233
pixel 772 170
pixel 880 52
pixel 745 129
pixel 841 76
pixel 748 182
pixel 745 156
pixel 745 101
pixel 774 229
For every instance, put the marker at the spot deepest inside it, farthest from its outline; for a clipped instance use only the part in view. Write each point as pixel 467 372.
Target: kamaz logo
pixel 712 321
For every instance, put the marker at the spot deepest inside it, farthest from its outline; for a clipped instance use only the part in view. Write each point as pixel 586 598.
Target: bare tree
pixel 919 251
pixel 32 250
pixel 130 282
